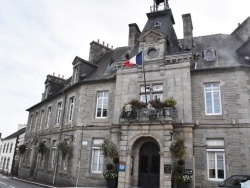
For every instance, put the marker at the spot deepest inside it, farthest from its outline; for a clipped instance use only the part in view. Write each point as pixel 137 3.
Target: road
pixel 8 182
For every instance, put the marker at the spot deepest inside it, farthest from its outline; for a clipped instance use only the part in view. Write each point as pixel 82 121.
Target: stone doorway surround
pixel 134 135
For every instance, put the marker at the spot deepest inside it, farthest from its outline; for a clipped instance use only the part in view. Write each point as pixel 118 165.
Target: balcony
pixel 145 114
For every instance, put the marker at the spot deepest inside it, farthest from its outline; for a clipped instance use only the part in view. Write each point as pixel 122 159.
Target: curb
pixel 31 182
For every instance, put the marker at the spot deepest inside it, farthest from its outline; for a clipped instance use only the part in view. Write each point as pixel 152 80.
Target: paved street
pixel 8 182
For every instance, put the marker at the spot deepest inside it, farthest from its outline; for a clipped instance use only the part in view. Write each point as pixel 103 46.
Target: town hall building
pixel 207 76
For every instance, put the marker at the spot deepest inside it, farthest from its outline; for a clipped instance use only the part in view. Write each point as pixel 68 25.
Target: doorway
pixel 149 165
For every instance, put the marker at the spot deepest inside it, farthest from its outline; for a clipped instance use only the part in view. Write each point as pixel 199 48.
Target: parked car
pixel 237 181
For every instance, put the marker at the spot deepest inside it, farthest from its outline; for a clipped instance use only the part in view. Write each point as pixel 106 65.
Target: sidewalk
pixel 44 185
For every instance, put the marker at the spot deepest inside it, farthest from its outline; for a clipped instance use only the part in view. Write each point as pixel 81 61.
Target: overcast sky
pixel 41 37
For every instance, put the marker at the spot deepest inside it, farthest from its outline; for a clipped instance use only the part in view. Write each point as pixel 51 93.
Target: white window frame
pixel 147 88
pixel 99 158
pixel 212 92
pixel 101 100
pixel 41 121
pixel 71 108
pixel 143 98
pixel 157 87
pixel 216 152
pixel 49 116
pixel 36 121
pixel 59 113
pixel 159 96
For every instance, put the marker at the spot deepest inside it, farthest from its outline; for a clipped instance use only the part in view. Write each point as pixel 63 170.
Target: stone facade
pixel 207 77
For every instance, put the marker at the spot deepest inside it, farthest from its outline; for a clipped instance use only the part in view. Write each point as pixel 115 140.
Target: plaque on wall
pixel 167 168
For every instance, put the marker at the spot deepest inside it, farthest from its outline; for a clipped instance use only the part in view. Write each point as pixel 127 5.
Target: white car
pixel 237 181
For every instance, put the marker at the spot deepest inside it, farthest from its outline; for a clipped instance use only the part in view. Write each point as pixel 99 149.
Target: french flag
pixel 136 60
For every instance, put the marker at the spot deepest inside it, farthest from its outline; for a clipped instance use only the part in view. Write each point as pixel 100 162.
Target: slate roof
pixel 15 134
pixel 225 47
pixel 117 54
pixel 166 19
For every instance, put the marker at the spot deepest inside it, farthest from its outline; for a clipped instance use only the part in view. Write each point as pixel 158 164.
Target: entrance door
pixel 149 166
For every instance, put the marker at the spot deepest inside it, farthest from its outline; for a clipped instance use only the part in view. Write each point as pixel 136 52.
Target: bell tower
pixel 159 5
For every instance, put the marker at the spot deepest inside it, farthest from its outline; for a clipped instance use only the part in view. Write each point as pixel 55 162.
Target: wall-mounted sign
pixel 167 168
pixel 84 143
pixel 122 166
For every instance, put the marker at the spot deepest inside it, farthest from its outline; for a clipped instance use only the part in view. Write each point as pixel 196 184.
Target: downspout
pixel 79 165
pixel 13 160
pixel 61 127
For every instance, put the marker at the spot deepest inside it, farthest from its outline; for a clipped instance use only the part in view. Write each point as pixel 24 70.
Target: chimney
pixel 188 31
pixel 97 51
pixel 134 33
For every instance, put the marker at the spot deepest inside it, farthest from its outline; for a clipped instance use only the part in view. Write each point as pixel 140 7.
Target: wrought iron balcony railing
pixel 145 114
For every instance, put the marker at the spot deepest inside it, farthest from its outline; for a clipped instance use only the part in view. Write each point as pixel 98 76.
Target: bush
pixel 109 149
pixel 169 102
pixel 64 147
pixel 109 166
pixel 178 149
pixel 181 162
pixel 42 148
pixel 116 160
pixel 22 149
pixel 180 169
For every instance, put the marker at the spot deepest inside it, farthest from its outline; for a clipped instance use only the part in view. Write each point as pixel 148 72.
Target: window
pixel 59 112
pixel 71 108
pixel 216 159
pixel 97 157
pixel 97 160
pixel 4 147
pixel 212 99
pixel 41 122
pixel 157 96
pixel 36 121
pixel 31 122
pixel 53 155
pixel 102 104
pixel 49 116
pixel 11 145
pixel 143 98
pixel 46 94
pixel 154 91
pixel 4 161
pixel 1 162
pixel 7 165
pixel 7 148
pixel 76 75
pixel 42 157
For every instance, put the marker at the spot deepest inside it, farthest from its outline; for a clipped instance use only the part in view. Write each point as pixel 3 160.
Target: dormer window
pixel 111 66
pixel 46 93
pixel 209 55
pixel 76 75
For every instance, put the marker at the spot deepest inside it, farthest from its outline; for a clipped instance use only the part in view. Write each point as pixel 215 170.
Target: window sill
pixel 100 120
pixel 215 117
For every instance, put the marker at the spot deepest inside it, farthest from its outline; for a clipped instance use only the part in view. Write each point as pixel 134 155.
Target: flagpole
pixel 145 86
